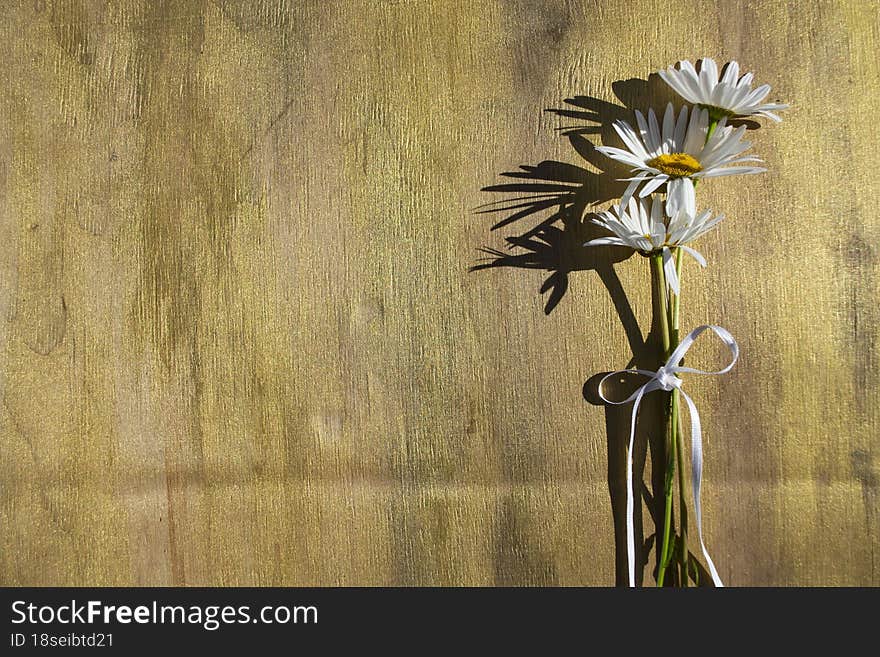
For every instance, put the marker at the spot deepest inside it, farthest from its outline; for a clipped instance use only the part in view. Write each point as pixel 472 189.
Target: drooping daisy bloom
pixel 678 154
pixel 727 96
pixel 644 228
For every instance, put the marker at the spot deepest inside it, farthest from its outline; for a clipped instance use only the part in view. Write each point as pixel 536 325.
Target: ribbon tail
pixel 696 480
pixel 630 502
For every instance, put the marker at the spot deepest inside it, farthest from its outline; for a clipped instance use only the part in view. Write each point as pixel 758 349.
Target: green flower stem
pixel 713 123
pixel 671 336
pixel 675 408
pixel 661 314
pixel 682 504
pixel 675 306
pixel 658 296
pixel 671 450
pixel 675 428
pixel 675 451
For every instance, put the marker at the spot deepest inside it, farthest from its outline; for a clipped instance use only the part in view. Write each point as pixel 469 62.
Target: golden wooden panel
pixel 241 345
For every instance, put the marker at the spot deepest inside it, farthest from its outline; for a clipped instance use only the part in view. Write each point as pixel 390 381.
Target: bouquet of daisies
pixel 658 217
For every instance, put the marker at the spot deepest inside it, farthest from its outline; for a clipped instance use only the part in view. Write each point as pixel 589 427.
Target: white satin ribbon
pixel 665 379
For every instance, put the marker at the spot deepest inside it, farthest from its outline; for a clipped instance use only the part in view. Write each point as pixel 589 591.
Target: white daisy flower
pixel 729 95
pixel 678 154
pixel 644 228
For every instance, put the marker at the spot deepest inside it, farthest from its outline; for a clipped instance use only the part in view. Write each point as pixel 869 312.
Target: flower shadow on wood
pixel 560 196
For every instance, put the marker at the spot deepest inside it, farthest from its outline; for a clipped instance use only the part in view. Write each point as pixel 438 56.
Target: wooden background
pixel 240 343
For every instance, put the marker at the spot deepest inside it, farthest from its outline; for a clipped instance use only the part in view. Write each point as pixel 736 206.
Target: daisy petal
pixel 680 197
pixel 605 241
pixel 669 270
pixel 652 184
pixel 696 255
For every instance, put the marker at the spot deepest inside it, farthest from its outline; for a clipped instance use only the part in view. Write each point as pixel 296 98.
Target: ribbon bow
pixel 665 379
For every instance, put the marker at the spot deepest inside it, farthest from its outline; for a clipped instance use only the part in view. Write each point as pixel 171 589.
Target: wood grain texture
pixel 240 345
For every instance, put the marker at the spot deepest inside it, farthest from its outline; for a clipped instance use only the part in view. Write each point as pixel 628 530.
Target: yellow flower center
pixel 677 165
